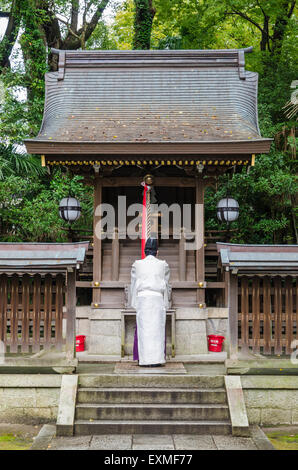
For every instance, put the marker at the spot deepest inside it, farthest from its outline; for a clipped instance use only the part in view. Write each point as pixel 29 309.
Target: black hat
pixel 151 247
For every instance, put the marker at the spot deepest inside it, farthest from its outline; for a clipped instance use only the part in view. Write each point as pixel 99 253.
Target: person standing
pixel 150 294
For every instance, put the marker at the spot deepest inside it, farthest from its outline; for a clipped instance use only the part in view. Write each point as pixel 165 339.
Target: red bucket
pixel 215 343
pixel 80 343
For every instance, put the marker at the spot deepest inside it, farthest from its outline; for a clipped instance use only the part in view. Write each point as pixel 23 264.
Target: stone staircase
pixel 151 404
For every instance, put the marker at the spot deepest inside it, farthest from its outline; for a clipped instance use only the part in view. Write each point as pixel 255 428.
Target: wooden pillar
pixel 182 257
pixel 233 315
pixel 267 308
pixel 115 256
pixel 200 252
pixel 244 289
pixel 289 313
pixel 71 315
pixel 226 289
pixel 256 315
pixel 97 252
pixel 277 316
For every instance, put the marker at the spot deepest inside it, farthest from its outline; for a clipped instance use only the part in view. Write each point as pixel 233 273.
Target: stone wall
pixel 33 398
pixel 271 399
pixel 29 398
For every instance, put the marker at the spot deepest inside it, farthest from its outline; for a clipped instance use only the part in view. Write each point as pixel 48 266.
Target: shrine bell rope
pixel 146 216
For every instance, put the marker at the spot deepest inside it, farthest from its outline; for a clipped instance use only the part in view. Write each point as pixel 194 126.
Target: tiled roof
pixel 150 97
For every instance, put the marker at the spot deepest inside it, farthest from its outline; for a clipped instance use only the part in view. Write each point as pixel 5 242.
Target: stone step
pixel 97 427
pixel 151 395
pixel 152 381
pixel 151 412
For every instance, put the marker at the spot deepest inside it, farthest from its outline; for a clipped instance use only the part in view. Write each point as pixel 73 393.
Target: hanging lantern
pixel 227 210
pixel 69 209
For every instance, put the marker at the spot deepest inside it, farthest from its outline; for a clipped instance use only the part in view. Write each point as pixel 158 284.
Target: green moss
pixel 14 442
pixel 284 441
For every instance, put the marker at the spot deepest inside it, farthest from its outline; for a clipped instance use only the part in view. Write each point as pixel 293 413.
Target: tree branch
pixel 10 35
pixel 74 15
pixel 262 9
pixel 83 34
pixel 50 26
pixel 280 25
pixel 95 18
pixel 243 15
pixel 69 28
pixel 293 4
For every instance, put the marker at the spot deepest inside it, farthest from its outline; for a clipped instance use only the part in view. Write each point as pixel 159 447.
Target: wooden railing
pixel 31 312
pixel 267 314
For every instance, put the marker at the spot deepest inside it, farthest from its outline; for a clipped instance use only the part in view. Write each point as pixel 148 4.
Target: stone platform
pixel 46 440
pixel 110 333
pixel 133 368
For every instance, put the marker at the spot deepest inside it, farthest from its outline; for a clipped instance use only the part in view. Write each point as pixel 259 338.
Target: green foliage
pixel 18 164
pixel 122 29
pixel 29 207
pixel 101 38
pixel 267 192
pixel 265 196
pixel 22 109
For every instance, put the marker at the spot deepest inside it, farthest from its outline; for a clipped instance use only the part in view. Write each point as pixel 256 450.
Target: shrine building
pixel 175 120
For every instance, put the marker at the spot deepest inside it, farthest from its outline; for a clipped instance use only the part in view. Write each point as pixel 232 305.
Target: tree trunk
pixel 10 35
pixel 280 26
pixel 264 44
pixel 144 14
pixel 34 54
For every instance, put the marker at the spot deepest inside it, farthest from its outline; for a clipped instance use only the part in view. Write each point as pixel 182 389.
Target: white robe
pixel 150 296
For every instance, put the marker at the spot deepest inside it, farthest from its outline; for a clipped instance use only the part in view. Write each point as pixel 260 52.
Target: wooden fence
pixel 31 312
pixel 267 314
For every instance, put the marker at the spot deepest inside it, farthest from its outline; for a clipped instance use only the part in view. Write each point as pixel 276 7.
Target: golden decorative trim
pixel 117 163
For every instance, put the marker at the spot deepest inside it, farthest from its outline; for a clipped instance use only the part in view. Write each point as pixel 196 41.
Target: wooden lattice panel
pixel 267 313
pixel 31 311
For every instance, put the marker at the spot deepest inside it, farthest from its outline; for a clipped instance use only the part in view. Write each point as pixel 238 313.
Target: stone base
pixel 105 332
pixel 102 328
pixel 191 335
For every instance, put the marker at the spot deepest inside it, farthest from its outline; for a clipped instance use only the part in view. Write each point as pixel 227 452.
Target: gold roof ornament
pixel 149 179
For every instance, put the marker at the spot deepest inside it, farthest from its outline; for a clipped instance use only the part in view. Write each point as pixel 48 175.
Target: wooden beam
pixel 233 315
pixel 277 315
pixel 244 314
pixel 200 255
pixel 289 313
pixel 115 256
pixel 182 257
pixel 226 293
pixel 172 181
pixel 71 315
pixel 97 252
pixel 256 314
pixel 115 284
pixel 267 308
